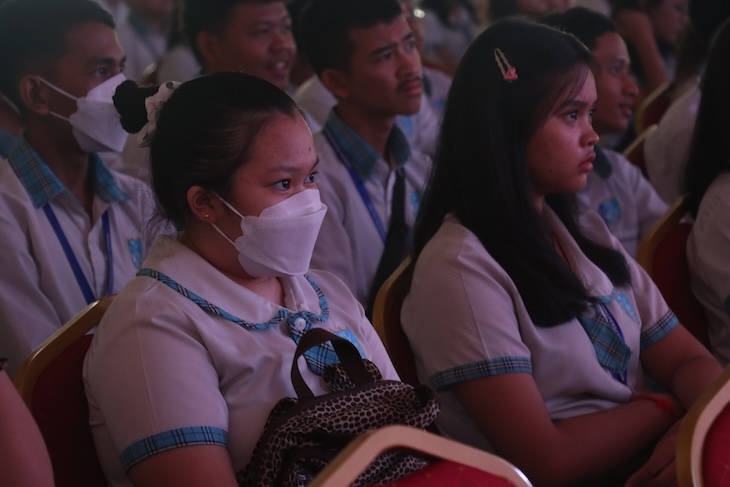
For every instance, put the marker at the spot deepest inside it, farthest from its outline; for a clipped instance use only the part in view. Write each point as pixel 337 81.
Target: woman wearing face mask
pixel 194 353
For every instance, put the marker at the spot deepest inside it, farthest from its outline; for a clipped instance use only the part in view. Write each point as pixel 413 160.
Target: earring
pixel 206 216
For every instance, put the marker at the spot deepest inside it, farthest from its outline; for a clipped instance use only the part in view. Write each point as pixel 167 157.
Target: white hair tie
pixel 153 105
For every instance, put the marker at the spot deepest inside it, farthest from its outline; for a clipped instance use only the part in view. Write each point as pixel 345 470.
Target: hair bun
pixel 129 101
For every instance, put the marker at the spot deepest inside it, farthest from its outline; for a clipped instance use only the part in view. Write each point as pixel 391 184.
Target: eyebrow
pixel 291 169
pixel 377 52
pixel 284 18
pixel 106 60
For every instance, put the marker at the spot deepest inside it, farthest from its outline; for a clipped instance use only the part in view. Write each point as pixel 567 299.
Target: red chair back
pixel 450 474
pixel 670 271
pixel 716 452
pixel 59 407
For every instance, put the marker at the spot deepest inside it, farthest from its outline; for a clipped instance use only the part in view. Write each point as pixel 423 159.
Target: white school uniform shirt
pixel 626 201
pixel 40 292
pixel 454 41
pixel 708 255
pixel 666 150
pixel 421 128
pixel 163 373
pixel 349 243
pixel 465 320
pixel 142 45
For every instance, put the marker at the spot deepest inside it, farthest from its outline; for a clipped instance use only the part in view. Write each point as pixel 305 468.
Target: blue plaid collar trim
pixel 42 185
pixel 359 154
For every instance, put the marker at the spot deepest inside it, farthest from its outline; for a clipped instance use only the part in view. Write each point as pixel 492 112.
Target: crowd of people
pixel 238 172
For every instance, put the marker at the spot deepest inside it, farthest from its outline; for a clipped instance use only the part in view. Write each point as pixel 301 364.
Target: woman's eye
pixel 283 185
pixel 312 178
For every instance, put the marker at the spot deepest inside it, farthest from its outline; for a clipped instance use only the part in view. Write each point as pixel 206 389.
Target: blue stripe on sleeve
pixel 194 435
pixel 658 330
pixel 477 370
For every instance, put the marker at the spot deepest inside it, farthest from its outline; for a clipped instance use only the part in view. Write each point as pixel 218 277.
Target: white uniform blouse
pixel 465 320
pixel 708 255
pixel 163 373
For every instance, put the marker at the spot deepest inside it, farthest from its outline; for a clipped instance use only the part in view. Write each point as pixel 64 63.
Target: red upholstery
pixel 716 452
pixel 670 272
pixel 404 360
pixel 59 407
pixel 450 474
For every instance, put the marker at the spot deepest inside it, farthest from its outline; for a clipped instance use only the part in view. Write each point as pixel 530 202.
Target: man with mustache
pixel 365 54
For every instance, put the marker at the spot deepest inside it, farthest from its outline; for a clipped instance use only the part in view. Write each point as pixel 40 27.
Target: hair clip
pixel 509 73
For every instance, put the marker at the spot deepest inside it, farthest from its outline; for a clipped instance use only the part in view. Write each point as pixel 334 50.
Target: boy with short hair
pixel 371 180
pixel 71 229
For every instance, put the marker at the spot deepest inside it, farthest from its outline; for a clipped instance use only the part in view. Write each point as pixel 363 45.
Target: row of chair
pixel 50 383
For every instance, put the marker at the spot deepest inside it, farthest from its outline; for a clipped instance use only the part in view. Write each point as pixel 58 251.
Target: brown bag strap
pixel 349 357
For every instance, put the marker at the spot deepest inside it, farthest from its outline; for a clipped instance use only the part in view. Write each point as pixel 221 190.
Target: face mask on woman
pixel 280 241
pixel 95 122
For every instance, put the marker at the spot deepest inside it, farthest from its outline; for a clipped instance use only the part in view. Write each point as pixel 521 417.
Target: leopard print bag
pixel 302 435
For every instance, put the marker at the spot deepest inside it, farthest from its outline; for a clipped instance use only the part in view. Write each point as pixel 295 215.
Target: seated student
pixel 204 337
pixel 707 183
pixel 449 27
pixel 252 36
pixel 616 189
pixel 652 29
pixel 667 148
pixel 421 128
pixel 25 461
pixel 143 34
pixel 537 330
pixel 371 180
pixel 71 230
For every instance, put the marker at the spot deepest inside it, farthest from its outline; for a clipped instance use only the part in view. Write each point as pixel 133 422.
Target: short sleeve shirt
pixel 465 320
pixel 163 373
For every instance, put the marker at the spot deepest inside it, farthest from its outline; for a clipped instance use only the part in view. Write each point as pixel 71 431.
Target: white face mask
pixel 96 122
pixel 280 241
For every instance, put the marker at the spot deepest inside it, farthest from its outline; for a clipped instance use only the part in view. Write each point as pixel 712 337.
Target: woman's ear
pixel 204 204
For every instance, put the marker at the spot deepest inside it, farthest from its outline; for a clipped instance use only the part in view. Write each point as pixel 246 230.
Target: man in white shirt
pixel 143 35
pixel 369 177
pixel 616 189
pixel 71 230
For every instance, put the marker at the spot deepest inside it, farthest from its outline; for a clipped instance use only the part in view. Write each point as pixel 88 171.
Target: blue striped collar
pixel 359 154
pixel 42 185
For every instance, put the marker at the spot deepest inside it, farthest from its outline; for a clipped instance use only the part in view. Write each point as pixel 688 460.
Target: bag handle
pixel 346 352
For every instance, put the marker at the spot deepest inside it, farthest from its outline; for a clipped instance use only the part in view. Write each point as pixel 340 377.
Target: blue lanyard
pixel 74 263
pixel 358 184
pixel 623 378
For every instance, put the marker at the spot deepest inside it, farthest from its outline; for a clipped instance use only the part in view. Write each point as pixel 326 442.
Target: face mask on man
pixel 95 122
pixel 280 241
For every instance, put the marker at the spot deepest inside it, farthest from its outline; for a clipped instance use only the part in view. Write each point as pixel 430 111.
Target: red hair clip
pixel 509 73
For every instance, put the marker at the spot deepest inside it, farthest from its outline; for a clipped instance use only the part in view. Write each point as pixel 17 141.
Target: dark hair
pixel 441 9
pixel 706 17
pixel 325 25
pixel 480 170
pixel 709 154
pixel 208 15
pixel 205 132
pixel 583 23
pixel 33 36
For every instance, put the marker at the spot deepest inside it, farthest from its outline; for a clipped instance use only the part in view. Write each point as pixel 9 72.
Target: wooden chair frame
pixel 363 450
pixel 634 153
pixel 386 309
pixel 658 233
pixel 648 105
pixel 78 326
pixel 694 429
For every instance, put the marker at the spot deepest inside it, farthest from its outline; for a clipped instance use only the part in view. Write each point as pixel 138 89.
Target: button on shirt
pixel 39 291
pixel 349 244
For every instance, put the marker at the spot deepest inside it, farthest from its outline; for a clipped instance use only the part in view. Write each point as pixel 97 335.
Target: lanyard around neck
pixel 359 185
pixel 74 263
